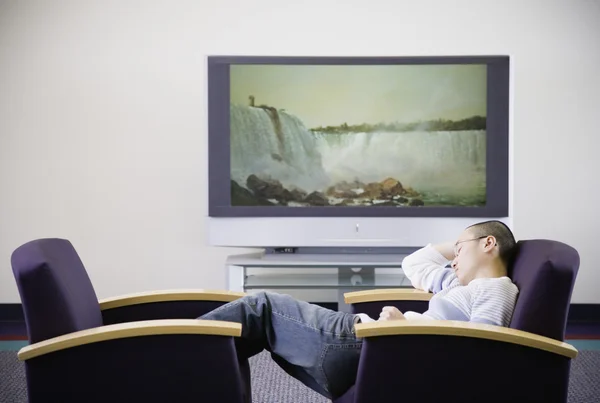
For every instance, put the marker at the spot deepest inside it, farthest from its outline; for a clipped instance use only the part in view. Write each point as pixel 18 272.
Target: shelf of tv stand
pixel 261 259
pixel 344 272
pixel 324 281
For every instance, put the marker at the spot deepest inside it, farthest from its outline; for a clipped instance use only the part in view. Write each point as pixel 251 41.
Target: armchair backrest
pixel 56 292
pixel 545 272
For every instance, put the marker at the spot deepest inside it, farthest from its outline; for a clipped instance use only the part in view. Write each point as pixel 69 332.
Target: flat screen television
pixel 355 151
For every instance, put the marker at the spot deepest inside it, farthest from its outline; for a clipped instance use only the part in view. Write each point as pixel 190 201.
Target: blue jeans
pixel 313 344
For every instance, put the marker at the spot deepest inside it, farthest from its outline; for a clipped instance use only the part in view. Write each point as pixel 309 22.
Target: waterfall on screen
pixel 271 143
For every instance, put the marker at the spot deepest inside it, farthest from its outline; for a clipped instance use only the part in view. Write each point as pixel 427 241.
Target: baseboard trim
pixel 11 312
pixel 589 313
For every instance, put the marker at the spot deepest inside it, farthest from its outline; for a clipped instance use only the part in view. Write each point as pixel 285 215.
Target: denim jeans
pixel 313 344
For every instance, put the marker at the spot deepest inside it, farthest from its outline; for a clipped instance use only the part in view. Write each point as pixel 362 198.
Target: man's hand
pixel 390 313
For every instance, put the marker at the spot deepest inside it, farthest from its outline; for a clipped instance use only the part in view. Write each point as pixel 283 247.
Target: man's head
pixel 483 250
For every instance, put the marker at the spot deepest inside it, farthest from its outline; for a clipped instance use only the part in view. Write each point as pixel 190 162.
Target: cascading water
pixel 290 156
pixel 443 165
pixel 446 168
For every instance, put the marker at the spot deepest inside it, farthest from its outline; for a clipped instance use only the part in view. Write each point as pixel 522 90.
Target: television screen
pixel 358 136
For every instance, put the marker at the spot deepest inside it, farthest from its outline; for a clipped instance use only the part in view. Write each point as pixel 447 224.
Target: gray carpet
pixel 271 384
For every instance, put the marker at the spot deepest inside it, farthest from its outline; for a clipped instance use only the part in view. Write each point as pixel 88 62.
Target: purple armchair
pixel 442 361
pixel 142 347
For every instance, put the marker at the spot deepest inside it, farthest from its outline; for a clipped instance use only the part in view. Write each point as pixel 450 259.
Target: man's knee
pixel 254 299
pixel 264 295
pixel 268 300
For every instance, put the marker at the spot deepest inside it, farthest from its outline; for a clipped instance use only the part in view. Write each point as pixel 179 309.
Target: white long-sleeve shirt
pixel 484 300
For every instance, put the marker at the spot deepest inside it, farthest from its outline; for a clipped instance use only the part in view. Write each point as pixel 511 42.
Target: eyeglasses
pixel 456 250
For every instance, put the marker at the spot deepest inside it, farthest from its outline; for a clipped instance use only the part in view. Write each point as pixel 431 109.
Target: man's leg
pixel 314 344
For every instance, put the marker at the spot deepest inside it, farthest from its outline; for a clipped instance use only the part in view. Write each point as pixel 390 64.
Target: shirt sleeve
pixel 426 269
pixel 410 315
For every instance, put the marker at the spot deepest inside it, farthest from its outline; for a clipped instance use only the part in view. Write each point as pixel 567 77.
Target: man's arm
pixel 425 268
pixel 445 249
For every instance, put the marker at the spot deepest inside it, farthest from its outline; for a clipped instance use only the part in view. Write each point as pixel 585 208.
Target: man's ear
pixel 490 242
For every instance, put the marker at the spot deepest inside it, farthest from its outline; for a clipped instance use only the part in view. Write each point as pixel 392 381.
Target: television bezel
pixel 497 139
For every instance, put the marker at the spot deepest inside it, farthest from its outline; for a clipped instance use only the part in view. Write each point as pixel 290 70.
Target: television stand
pixel 343 272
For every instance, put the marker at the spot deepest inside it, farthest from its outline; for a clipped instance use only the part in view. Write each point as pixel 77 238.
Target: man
pixel 318 346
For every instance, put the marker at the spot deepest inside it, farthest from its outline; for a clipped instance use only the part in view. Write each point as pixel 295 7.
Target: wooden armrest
pixel 467 329
pixel 131 329
pixel 169 295
pixel 391 294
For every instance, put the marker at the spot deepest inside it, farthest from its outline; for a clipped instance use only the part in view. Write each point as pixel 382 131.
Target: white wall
pixel 103 117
